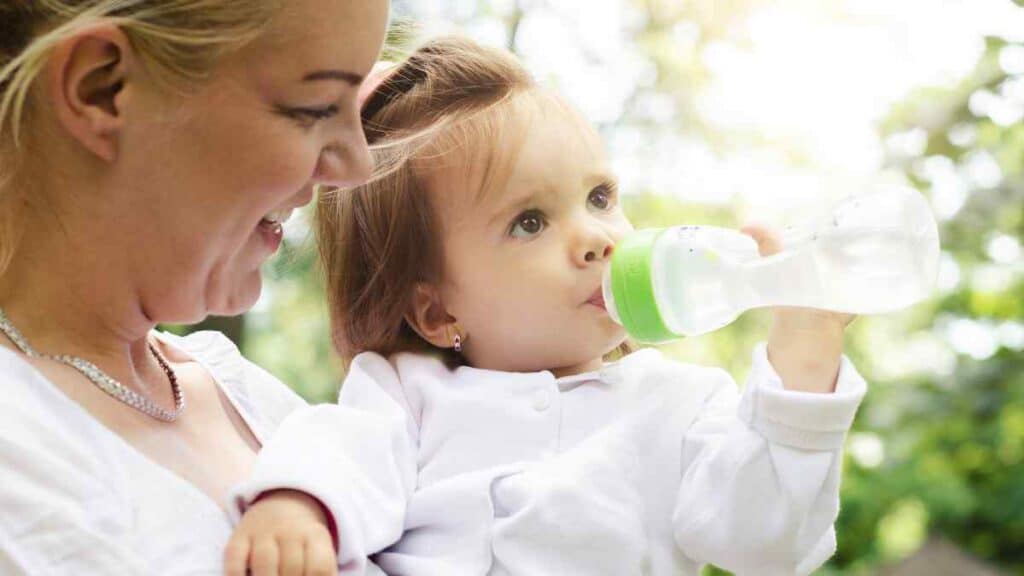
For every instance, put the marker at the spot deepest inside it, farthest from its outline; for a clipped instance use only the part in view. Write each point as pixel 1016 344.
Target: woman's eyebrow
pixel 340 75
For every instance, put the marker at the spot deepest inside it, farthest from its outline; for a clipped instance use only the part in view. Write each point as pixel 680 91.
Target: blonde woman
pixel 149 151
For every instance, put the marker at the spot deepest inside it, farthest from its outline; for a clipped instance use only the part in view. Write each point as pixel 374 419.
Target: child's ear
pixel 429 318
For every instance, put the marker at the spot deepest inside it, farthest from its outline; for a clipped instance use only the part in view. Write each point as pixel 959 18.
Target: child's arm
pixel 804 344
pixel 760 487
pixel 350 466
pixel 760 492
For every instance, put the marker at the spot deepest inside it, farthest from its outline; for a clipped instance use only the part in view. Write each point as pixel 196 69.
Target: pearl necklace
pixel 115 389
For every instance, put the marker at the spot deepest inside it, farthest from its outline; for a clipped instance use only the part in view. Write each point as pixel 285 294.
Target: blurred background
pixel 729 111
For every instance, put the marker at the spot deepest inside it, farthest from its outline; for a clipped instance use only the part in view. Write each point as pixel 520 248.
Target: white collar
pixel 610 373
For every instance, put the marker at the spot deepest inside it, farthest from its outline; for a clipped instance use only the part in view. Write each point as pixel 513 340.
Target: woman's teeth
pixel 277 216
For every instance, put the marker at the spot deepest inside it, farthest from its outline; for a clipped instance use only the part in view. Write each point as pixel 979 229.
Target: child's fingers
pixel 320 557
pixel 768 240
pixel 264 557
pixel 236 555
pixel 292 552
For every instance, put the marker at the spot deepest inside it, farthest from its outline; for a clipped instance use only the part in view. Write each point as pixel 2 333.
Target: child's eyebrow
pixel 600 177
pixel 516 204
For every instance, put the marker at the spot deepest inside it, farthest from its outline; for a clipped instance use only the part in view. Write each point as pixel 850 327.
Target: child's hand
pixel 284 533
pixel 805 344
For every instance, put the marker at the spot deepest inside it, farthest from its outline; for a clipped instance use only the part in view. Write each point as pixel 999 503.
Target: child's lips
pixel 597 299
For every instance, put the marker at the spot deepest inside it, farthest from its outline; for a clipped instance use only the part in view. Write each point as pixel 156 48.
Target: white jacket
pixel 648 466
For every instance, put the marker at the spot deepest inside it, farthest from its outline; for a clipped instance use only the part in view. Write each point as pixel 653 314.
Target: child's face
pixel 524 265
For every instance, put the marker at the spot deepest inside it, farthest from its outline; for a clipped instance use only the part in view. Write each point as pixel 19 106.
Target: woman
pixel 149 151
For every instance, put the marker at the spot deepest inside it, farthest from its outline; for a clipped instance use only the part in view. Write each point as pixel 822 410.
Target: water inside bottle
pixel 707 277
pixel 868 271
pixel 877 253
pixel 694 278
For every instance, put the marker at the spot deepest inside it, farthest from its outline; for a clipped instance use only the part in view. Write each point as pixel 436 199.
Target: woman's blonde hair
pixel 446 111
pixel 181 40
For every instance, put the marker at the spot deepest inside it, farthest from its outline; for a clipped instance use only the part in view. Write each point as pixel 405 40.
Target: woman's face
pixel 201 184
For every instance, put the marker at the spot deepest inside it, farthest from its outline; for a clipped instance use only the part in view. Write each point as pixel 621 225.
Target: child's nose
pixel 604 253
pixel 595 245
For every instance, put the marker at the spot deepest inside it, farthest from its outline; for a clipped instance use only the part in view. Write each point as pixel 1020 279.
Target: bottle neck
pixel 789 278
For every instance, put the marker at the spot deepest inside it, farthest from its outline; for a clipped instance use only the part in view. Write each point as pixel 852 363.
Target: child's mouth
pixel 597 299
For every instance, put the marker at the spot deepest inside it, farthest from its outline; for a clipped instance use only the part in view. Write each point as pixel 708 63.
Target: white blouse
pixel 76 498
pixel 647 466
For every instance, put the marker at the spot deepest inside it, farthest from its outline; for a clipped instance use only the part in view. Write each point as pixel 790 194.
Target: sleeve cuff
pixel 244 496
pixel 803 420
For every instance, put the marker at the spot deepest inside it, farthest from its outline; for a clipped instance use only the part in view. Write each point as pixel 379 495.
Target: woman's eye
pixel 601 197
pixel 307 117
pixel 527 224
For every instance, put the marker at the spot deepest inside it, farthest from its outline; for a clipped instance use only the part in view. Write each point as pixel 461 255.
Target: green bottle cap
pixel 632 287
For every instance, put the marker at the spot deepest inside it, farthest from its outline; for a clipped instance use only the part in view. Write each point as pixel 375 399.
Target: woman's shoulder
pixel 52 448
pixel 14 368
pixel 28 393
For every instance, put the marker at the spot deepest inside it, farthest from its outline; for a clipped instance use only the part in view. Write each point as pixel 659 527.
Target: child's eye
pixel 527 224
pixel 602 196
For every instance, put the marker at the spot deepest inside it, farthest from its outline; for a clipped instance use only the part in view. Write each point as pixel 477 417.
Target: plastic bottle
pixel 877 253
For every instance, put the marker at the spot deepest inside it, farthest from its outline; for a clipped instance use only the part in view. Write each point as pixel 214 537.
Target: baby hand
pixel 284 533
pixel 805 345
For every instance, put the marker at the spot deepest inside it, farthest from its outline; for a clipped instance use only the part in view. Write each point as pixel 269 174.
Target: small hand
pixel 805 344
pixel 283 533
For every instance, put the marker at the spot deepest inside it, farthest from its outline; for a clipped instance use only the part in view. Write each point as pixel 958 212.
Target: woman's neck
pixel 66 299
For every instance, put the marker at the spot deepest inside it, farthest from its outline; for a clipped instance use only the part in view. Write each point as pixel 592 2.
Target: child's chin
pixel 615 342
pixel 616 335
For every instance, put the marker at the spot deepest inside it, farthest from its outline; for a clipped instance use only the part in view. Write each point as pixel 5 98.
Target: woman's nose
pixel 346 161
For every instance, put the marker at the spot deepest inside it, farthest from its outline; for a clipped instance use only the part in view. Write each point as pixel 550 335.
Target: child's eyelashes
pixel 308 117
pixel 528 223
pixel 602 196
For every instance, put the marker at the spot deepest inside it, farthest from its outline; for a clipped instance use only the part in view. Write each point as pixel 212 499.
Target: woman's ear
pixel 89 79
pixel 429 318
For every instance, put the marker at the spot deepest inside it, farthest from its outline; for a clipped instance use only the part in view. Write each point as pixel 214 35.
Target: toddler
pixel 483 427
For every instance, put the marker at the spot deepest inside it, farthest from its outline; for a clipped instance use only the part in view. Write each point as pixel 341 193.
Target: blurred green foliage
pixel 954 461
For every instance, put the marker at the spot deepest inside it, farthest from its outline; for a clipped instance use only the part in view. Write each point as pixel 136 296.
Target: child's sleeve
pixel 358 458
pixel 760 492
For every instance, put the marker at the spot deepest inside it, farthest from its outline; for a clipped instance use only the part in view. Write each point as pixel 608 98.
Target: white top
pixel 78 499
pixel 647 466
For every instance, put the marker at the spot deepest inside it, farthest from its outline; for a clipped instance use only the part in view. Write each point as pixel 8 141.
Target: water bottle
pixel 876 253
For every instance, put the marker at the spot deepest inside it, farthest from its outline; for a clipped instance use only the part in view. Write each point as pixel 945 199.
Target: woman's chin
pixel 239 300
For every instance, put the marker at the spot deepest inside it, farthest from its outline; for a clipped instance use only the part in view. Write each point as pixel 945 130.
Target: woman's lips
pixel 272 234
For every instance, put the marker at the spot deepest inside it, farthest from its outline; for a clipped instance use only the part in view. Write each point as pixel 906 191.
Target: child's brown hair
pixel 378 240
